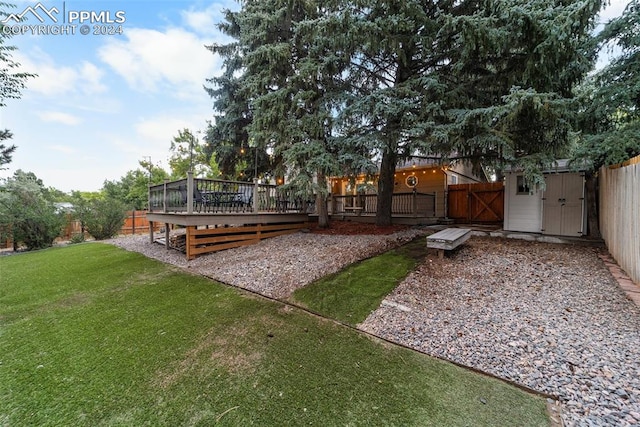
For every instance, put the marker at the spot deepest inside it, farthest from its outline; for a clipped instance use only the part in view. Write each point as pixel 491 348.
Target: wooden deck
pixel 220 214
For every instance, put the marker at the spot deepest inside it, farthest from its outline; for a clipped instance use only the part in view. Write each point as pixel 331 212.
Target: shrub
pixel 27 216
pixel 104 218
pixel 77 238
pixel 40 230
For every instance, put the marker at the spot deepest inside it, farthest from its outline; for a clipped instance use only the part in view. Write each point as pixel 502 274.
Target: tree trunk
pixel 321 204
pixel 385 187
pixel 323 212
pixel 593 228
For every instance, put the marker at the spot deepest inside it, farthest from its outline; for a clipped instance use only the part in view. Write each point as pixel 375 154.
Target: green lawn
pixel 352 294
pixel 93 335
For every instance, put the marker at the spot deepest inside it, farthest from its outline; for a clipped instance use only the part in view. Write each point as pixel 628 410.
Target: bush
pixel 77 238
pixel 27 216
pixel 38 231
pixel 104 218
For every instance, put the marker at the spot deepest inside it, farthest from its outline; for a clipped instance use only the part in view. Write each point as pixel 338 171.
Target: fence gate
pixel 482 202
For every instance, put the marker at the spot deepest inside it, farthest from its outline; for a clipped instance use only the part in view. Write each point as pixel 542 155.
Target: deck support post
pixel 150 231
pixel 188 242
pixel 166 236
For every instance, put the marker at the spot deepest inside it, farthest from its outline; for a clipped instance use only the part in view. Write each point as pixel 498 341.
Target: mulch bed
pixel 351 228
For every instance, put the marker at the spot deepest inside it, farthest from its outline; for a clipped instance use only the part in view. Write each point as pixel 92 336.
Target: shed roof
pixel 560 165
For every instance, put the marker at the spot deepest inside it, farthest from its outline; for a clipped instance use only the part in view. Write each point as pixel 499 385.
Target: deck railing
pixel 416 204
pixel 199 195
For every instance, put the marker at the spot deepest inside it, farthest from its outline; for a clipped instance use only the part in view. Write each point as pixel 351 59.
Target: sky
pixel 103 102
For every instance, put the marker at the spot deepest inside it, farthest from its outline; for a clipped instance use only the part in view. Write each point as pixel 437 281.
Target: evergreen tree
pixel 610 119
pixel 296 79
pixel 480 81
pixel 610 115
pixel 393 52
pixel 328 84
pixel 12 82
pixel 227 138
pixel 285 98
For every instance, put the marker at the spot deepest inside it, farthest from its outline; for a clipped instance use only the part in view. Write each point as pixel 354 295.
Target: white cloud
pixel 90 78
pixel 613 10
pixel 151 137
pixel 151 60
pixel 63 149
pixel 162 129
pixel 59 117
pixel 202 22
pixel 54 80
pixel 205 21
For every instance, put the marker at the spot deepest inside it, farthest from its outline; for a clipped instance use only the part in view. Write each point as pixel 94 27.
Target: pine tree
pixel 12 82
pixel 610 119
pixel 227 136
pixel 331 86
pixel 488 82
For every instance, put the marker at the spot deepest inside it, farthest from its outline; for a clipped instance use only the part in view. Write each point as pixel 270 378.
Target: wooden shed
pixel 558 209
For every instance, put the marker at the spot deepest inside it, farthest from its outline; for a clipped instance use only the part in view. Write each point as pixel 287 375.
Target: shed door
pixel 563 204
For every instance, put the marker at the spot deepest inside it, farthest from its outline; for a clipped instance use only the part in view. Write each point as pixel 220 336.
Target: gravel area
pixel 548 316
pixel 277 266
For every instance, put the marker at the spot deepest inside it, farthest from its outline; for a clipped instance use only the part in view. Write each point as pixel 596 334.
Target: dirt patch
pixel 351 228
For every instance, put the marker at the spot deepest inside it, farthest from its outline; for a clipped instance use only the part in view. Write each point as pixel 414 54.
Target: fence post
pixel 164 196
pixel 189 192
pixel 255 195
pixel 414 206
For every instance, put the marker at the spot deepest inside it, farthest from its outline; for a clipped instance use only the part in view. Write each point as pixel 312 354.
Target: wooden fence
pixel 481 202
pixel 620 214
pixel 135 223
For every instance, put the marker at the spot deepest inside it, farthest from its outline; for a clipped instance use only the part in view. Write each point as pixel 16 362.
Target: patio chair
pixel 244 198
pixel 200 201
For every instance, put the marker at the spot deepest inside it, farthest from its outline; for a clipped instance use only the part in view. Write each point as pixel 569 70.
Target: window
pixel 523 188
pixel 454 179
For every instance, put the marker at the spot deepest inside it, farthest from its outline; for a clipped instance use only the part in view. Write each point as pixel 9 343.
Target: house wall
pixel 522 212
pixel 462 173
pixel 430 180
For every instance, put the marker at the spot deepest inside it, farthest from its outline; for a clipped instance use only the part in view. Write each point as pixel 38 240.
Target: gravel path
pixel 547 316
